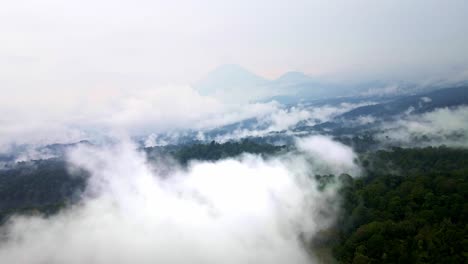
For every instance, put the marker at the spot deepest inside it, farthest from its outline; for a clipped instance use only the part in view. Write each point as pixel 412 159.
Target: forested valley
pixel 409 206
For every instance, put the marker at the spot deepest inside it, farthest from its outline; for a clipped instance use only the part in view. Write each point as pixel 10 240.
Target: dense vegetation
pixel 38 186
pixel 215 151
pixel 411 208
pixel 45 186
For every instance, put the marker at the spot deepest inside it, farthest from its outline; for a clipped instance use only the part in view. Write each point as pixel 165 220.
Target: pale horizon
pixel 181 42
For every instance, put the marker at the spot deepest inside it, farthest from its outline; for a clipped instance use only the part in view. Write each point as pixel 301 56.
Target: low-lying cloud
pixel 241 210
pixel 284 119
pixel 443 126
pixel 96 112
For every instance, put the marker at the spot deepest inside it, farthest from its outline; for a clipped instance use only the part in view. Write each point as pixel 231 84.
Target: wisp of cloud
pixel 240 210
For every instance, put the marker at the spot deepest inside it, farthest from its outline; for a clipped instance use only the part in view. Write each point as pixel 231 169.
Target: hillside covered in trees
pixel 45 186
pixel 409 207
pixel 213 151
pixel 412 207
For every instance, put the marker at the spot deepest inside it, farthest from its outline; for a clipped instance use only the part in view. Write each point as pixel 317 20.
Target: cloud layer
pixel 239 210
pixel 443 126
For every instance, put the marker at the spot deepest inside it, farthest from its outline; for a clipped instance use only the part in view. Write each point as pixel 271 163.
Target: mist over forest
pixel 234 132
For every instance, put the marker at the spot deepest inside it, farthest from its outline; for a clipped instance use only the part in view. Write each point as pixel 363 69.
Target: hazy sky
pixel 53 41
pixel 88 63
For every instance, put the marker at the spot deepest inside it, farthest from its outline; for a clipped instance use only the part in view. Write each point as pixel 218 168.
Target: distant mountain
pixel 232 82
pixel 294 86
pixel 417 104
pixel 390 110
pixel 293 78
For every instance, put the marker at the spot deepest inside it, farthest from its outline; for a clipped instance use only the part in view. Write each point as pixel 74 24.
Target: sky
pixel 53 42
pixel 127 64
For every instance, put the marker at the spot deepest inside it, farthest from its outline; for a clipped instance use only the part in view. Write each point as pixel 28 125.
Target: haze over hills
pixel 293 78
pixel 335 116
pixel 330 158
pixel 231 83
pixel 126 138
pixel 279 122
pixel 417 104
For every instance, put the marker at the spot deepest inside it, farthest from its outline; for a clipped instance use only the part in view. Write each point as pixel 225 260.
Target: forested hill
pixel 47 185
pixel 412 207
pixel 214 151
pixel 449 97
pixel 38 186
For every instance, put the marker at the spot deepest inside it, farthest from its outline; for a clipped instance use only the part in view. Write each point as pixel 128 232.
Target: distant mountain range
pixel 392 110
pixel 346 123
pixel 380 109
pixel 233 83
pixel 383 109
pixel 416 104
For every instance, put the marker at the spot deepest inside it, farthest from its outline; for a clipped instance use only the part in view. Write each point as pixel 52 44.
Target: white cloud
pixel 284 119
pixel 383 91
pixel 334 157
pixel 365 119
pixel 144 111
pixel 137 111
pixel 426 99
pixel 442 126
pixel 232 211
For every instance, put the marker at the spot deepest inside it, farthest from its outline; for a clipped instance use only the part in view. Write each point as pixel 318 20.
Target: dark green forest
pixel 45 186
pixel 39 186
pixel 410 206
pixel 214 151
